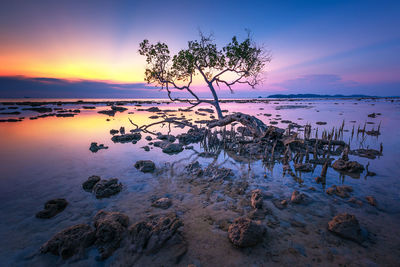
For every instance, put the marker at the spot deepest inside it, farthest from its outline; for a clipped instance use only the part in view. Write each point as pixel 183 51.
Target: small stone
pixel 244 232
pixel 90 182
pixel 348 166
pixel 346 225
pixel 162 203
pixel 113 131
pixel 299 198
pixel 371 200
pixel 120 109
pixel 167 137
pixel 280 204
pixel 52 208
pixel 256 199
pixel 354 200
pixel 94 147
pixel 342 191
pixel 107 188
pixel 145 165
pixel 125 138
pixel 153 109
pixel 173 148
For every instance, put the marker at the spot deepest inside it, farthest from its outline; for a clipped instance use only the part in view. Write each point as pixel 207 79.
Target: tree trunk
pixel 254 125
pixel 216 101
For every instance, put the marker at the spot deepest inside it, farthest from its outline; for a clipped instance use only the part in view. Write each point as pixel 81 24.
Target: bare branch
pixel 244 59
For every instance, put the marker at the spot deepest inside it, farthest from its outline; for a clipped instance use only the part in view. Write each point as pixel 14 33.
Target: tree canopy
pixel 236 63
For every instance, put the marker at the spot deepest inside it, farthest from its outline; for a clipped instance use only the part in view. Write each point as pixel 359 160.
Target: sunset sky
pixel 89 48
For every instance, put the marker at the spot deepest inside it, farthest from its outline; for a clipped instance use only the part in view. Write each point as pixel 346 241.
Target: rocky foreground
pixel 255 213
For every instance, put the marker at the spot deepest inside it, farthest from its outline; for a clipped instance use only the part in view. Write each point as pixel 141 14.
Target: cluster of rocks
pixel 102 188
pixel 111 230
pixel 108 231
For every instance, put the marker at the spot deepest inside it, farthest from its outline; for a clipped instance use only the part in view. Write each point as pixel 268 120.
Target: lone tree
pixel 236 63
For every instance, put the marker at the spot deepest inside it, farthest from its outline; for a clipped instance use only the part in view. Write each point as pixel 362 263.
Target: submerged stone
pixel 52 208
pixel 299 198
pixel 107 188
pixel 145 165
pixel 162 203
pixel 120 109
pixel 107 112
pixel 342 191
pixel 371 200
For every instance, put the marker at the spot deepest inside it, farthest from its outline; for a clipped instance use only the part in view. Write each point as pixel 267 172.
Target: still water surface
pixel 50 158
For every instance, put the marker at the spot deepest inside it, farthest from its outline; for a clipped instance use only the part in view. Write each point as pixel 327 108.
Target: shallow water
pixel 50 158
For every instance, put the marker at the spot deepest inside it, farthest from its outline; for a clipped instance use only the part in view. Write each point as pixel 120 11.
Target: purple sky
pixel 89 49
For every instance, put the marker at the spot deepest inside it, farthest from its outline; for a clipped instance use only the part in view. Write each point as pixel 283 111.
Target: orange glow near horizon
pixel 73 68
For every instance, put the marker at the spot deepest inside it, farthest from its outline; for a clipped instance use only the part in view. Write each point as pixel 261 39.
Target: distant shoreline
pixel 259 98
pixel 321 96
pixel 122 101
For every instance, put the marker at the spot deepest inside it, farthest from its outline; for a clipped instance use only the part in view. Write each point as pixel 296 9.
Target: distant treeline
pixel 314 96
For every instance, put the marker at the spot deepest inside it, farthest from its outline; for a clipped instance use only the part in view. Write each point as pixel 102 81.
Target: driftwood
pixel 145 127
pixel 254 125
